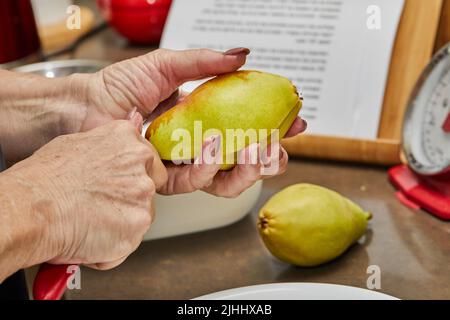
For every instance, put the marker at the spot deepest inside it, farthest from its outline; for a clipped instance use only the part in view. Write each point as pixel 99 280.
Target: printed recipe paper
pixel 337 52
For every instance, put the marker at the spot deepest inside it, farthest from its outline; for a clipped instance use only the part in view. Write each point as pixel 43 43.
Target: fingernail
pixel 282 153
pixel 270 154
pixel 136 119
pixel 237 51
pixel 211 149
pixel 132 113
pixel 216 146
pixel 305 124
pixel 275 154
pixel 253 151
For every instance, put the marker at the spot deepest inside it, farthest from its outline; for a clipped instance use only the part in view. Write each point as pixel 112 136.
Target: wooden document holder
pixel 424 28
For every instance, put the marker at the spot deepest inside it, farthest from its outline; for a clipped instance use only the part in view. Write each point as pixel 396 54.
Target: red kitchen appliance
pixel 140 21
pixel 424 180
pixel 19 39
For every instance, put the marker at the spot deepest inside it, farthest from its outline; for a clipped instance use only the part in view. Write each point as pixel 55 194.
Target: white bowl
pixel 199 211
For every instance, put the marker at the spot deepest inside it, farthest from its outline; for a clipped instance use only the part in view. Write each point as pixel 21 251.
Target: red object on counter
pixel 51 282
pixel 140 21
pixel 18 33
pixel 446 125
pixel 429 193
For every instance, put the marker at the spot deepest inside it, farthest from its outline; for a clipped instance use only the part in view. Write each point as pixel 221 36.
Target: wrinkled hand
pixel 96 190
pixel 150 83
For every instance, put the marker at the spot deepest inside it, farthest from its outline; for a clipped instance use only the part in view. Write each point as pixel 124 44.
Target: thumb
pixel 181 66
pixel 136 119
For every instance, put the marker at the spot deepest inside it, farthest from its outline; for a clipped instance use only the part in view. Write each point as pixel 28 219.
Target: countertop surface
pixel 411 248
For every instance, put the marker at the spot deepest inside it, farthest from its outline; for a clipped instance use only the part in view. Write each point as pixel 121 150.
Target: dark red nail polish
pixel 237 51
pixel 213 149
pixel 305 124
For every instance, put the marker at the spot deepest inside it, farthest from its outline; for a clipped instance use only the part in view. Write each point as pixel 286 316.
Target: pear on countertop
pixel 308 225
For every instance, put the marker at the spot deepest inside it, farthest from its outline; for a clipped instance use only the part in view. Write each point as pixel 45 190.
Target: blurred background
pixel 139 21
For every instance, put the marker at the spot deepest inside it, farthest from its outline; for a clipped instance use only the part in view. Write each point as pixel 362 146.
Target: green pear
pixel 228 104
pixel 308 225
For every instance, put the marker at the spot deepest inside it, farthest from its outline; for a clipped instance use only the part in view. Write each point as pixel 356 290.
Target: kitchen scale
pixel 423 180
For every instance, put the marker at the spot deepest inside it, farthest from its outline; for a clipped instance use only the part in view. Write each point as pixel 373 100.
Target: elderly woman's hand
pixel 150 83
pixel 87 197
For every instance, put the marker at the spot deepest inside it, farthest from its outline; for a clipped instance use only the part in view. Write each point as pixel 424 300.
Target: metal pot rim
pixel 60 64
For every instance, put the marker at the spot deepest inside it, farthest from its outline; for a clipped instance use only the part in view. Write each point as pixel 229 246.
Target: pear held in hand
pixel 243 107
pixel 308 225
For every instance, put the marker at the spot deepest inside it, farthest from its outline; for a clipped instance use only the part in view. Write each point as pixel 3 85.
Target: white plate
pixel 297 291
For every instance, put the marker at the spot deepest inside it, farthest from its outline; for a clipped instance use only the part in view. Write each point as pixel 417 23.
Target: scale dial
pixel 426 131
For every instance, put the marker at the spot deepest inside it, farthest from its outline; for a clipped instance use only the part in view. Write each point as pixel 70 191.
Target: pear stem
pixel 369 215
